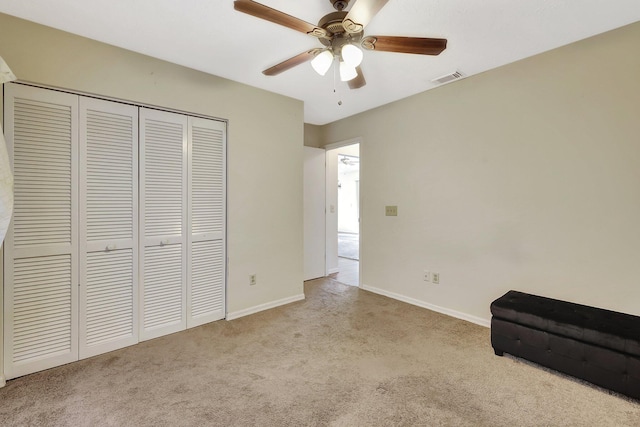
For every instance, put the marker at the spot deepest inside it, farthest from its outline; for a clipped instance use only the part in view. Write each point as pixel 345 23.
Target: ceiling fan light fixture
pixel 322 62
pixel 352 55
pixel 347 72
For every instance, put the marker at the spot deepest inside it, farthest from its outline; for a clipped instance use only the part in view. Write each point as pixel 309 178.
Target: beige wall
pixel 525 177
pixel 264 234
pixel 313 135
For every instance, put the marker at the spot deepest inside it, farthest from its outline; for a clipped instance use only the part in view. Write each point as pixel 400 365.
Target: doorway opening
pixel 348 207
pixel 343 213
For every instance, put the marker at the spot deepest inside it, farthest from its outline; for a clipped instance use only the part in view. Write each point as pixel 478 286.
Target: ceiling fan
pixel 340 32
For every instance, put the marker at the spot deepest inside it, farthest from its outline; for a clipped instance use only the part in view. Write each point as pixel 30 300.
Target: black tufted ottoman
pixel 596 345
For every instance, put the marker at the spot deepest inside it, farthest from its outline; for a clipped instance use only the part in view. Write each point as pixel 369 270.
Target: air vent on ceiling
pixel 449 77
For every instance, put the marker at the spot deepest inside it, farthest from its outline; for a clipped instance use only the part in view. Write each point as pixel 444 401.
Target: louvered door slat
pixel 41 253
pixel 110 297
pixel 163 305
pixel 164 179
pixel 110 160
pixel 207 175
pixel 109 260
pixel 206 254
pixel 163 173
pixel 207 278
pixel 42 158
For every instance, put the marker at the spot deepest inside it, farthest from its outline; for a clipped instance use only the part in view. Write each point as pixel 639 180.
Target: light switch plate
pixel 391 210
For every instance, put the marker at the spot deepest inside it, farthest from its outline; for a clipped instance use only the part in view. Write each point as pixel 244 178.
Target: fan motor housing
pixel 333 23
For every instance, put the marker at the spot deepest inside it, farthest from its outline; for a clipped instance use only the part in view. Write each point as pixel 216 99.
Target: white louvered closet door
pixel 163 222
pixel 108 226
pixel 41 248
pixel 206 242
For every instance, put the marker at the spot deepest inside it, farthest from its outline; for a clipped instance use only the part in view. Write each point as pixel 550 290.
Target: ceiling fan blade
pixel 417 45
pixel 358 81
pixel 292 62
pixel 265 12
pixel 361 13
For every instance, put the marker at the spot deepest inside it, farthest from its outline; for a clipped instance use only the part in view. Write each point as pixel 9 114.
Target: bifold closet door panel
pixel 163 222
pixel 41 247
pixel 108 226
pixel 206 243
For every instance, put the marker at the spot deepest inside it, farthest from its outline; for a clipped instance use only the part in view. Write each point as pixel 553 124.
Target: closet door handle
pixel 164 242
pixel 110 247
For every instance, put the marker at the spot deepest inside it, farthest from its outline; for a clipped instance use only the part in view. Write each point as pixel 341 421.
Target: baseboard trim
pixel 332 271
pixel 262 307
pixel 3 381
pixel 443 310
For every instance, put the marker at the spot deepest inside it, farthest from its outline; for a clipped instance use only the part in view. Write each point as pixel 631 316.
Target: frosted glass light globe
pixel 322 62
pixel 347 72
pixel 352 55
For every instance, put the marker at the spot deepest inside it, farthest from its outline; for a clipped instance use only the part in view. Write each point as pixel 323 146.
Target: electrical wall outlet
pixel 391 210
pixel 427 276
pixel 435 277
pixel 252 279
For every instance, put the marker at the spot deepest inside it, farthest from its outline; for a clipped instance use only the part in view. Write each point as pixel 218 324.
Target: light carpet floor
pixel 342 357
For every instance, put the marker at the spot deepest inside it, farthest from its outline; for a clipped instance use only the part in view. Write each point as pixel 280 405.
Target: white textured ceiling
pixel 210 36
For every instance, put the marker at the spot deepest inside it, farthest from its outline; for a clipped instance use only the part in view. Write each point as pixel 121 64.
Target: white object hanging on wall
pixel 6 179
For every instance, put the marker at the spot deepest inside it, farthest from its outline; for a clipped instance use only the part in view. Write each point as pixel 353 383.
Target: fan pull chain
pixel 335 72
